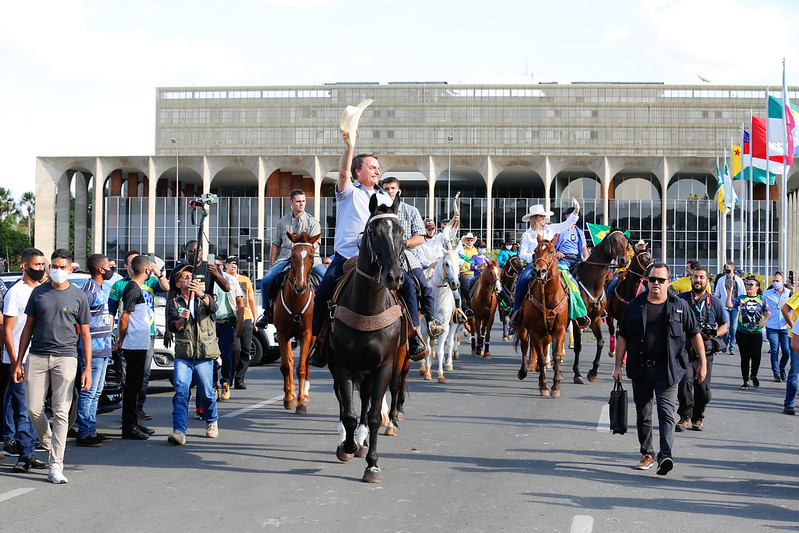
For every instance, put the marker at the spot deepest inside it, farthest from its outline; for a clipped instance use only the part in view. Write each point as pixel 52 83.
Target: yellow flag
pixel 737 158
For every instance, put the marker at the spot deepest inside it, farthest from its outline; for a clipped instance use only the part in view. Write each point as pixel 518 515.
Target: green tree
pixel 27 204
pixel 8 205
pixel 12 242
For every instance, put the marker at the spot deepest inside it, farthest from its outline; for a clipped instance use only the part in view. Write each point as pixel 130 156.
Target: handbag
pixel 618 409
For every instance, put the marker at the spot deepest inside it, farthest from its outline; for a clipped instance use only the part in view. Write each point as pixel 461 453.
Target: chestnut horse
pixel 293 311
pixel 631 283
pixel 484 300
pixel 545 317
pixel 591 275
pixel 510 275
pixel 367 335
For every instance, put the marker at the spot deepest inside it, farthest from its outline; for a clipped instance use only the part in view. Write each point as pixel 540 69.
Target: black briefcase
pixel 618 409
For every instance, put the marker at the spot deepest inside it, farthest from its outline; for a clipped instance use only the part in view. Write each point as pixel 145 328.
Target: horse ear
pixel 373 204
pixel 554 240
pixel 315 238
pixel 291 236
pixel 395 205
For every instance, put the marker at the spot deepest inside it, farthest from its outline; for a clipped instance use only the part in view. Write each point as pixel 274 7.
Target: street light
pixel 177 194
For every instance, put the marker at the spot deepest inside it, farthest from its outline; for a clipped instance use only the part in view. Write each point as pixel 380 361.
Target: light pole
pixel 177 195
pixel 450 138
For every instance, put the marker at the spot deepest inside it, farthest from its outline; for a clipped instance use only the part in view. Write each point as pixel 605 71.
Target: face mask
pixel 113 270
pixel 35 275
pixel 777 285
pixel 108 274
pixel 728 272
pixel 58 276
pixel 481 250
pixel 508 247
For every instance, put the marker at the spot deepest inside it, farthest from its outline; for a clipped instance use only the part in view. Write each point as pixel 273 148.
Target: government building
pixel 636 155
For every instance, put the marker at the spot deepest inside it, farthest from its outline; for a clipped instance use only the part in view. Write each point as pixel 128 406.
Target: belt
pixel 229 320
pixel 650 363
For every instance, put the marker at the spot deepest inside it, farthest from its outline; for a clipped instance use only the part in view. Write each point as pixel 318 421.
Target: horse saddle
pixel 274 289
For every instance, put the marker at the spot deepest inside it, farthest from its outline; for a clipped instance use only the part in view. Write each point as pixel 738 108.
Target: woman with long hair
pixel 754 313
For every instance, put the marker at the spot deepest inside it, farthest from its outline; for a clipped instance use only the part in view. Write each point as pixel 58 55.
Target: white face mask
pixel 58 276
pixel 777 285
pixel 508 247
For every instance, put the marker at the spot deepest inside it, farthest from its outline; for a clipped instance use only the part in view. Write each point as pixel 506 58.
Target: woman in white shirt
pixel 540 228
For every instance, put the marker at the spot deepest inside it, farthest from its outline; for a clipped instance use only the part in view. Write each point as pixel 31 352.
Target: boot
pixel 316 356
pixel 417 349
pixel 516 319
pixel 434 328
pixel 583 322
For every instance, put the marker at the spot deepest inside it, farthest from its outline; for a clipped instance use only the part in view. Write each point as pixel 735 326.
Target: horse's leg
pixel 541 350
pixel 596 327
pixel 578 348
pixel 362 431
pixel 379 386
pixel 287 369
pixel 611 334
pixel 487 325
pixel 474 333
pixel 348 416
pixel 521 336
pixel 440 345
pixel 303 372
pixel 403 374
pixel 557 356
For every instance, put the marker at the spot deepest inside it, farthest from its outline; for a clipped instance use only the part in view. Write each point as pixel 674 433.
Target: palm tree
pixel 28 203
pixel 8 206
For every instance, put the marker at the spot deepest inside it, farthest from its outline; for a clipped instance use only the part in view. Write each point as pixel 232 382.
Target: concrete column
pixel 431 188
pixel 489 179
pixel 62 213
pixel 318 176
pixel 206 190
pixel 547 182
pixel 98 209
pixel 81 212
pixel 664 212
pixel 45 211
pixel 259 268
pixel 606 177
pixel 150 182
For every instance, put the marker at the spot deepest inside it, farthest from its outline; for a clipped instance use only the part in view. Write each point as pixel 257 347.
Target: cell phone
pixel 790 276
pixel 151 257
pixel 211 259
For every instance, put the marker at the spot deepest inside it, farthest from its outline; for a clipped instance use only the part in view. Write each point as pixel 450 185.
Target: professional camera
pixel 709 331
pixel 202 201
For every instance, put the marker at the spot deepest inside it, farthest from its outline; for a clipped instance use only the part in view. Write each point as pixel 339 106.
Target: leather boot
pixel 583 322
pixel 434 328
pixel 417 349
pixel 316 355
pixel 516 319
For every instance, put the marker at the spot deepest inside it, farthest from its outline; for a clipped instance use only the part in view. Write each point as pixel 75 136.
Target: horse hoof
pixel 290 404
pixel 343 456
pixel 555 394
pixel 448 368
pixel 441 378
pixel 578 380
pixel 487 356
pixel 522 374
pixel 392 431
pixel 611 355
pixel 427 375
pixel 301 409
pixel 571 346
pixel 592 376
pixel 385 422
pixel 422 370
pixel 361 453
pixel 400 416
pixel 455 356
pixel 544 392
pixel 372 475
pixel 505 338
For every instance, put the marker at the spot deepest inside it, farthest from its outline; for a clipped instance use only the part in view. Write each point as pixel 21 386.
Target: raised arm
pixel 344 174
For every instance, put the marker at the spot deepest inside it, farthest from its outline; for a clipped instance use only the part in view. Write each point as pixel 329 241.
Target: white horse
pixel 444 280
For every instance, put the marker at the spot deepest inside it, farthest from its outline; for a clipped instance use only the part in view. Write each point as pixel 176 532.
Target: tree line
pixel 17 219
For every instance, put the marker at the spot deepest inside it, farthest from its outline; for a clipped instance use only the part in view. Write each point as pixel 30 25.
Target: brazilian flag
pixel 599 231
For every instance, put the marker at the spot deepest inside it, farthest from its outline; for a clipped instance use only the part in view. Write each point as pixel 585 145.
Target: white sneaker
pixel 56 475
pixel 177 438
pixel 212 430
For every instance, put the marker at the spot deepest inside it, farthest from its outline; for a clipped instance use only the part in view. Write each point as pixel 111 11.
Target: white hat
pixel 469 235
pixel 351 117
pixel 536 209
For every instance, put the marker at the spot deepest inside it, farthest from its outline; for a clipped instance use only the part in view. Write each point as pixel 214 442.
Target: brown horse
pixel 510 275
pixel 591 275
pixel 631 283
pixel 484 300
pixel 545 317
pixel 293 311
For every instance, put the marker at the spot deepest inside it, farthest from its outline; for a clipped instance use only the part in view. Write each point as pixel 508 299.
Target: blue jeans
pixel 203 372
pixel 87 400
pixel 226 334
pixel 521 286
pixel 24 432
pixel 328 285
pixel 778 339
pixel 272 273
pixel 729 337
pixel 792 383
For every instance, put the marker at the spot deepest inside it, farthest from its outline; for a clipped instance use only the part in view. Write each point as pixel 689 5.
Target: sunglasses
pixel 751 284
pixel 654 279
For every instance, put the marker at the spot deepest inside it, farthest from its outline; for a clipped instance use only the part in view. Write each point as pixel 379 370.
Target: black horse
pixel 367 332
pixel 510 272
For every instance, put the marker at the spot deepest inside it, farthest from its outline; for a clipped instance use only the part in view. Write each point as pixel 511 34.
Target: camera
pixel 202 201
pixel 709 331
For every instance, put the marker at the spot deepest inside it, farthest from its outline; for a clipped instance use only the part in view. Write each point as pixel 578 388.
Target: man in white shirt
pixel 730 281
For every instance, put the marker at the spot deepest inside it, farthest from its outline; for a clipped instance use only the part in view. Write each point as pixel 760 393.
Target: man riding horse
pixel 540 229
pixel 352 200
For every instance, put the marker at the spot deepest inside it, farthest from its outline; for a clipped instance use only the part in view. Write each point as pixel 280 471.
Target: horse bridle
pixel 587 262
pixel 547 263
pixel 643 268
pixel 373 259
pixel 297 316
pixel 444 276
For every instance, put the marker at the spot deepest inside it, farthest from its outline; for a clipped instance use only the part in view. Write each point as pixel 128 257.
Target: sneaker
pixel 683 424
pixel 88 442
pixel 11 447
pixel 22 466
pixel 198 414
pixel 99 437
pixel 755 381
pixel 777 379
pixel 239 384
pixel 789 411
pixel 56 475
pixel 177 438
pixel 783 375
pixel 212 430
pixel 647 462
pixel 134 433
pixel 145 429
pixel 745 386
pixel 698 426
pixel 225 395
pixel 665 465
pixel 142 415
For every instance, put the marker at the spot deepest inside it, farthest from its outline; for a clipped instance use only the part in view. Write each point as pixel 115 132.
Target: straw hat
pixel 469 235
pixel 536 209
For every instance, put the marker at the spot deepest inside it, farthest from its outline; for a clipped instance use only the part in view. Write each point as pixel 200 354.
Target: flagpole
pixel 751 199
pixel 784 193
pixel 722 216
pixel 741 256
pixel 732 199
pixel 768 200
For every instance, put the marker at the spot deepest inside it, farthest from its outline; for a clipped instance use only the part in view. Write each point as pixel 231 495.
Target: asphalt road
pixel 483 452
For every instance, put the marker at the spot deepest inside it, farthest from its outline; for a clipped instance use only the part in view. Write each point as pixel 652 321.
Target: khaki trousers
pixel 57 373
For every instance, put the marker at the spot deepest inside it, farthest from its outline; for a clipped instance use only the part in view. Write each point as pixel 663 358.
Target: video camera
pixel 202 201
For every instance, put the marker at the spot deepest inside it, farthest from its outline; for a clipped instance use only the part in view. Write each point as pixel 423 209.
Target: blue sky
pixel 80 75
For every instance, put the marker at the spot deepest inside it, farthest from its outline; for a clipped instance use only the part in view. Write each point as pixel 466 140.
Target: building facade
pixel 637 155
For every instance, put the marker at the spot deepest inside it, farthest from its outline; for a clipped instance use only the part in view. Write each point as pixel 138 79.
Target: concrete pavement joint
pixel 252 407
pixel 13 494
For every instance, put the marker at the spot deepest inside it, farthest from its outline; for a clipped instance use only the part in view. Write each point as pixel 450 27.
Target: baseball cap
pixel 232 259
pixel 429 223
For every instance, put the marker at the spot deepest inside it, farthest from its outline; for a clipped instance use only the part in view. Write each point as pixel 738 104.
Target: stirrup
pixel 460 316
pixel 434 328
pixel 316 357
pixel 516 319
pixel 583 322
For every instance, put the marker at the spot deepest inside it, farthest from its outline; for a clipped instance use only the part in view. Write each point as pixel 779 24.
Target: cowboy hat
pixel 536 209
pixel 469 235
pixel 350 118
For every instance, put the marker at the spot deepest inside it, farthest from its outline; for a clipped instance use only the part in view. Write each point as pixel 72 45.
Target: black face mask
pixel 35 275
pixel 113 270
pixel 108 274
pixel 728 271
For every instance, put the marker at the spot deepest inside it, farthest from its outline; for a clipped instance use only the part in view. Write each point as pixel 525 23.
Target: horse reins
pixel 376 277
pixel 297 316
